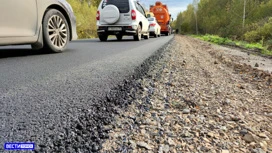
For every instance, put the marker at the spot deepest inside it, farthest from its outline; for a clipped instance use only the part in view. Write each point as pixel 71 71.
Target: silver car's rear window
pixel 122 5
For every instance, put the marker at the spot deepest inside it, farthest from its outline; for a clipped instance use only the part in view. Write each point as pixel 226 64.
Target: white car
pixel 155 28
pixel 121 17
pixel 43 24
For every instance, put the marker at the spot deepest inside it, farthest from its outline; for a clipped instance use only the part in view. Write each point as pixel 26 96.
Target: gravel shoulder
pixel 197 98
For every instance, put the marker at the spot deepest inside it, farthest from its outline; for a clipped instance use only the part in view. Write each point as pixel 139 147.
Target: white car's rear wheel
pixel 138 35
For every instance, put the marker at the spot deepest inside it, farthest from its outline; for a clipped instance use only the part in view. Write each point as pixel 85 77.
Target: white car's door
pixel 18 18
pixel 146 23
pixel 143 18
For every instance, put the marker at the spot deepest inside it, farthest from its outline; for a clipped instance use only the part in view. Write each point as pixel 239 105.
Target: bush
pixel 253 36
pixel 261 33
pixel 268 44
pixel 266 31
pixel 86 18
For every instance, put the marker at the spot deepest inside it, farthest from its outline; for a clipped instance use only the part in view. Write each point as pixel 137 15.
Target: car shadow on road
pixel 6 53
pixel 97 40
pixel 124 40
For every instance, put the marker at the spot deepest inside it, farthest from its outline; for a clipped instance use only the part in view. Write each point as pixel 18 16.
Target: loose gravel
pixel 196 98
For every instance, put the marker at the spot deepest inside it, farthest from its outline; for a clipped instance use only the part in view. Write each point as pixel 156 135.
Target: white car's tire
pixel 119 37
pixel 138 35
pixel 103 37
pixel 146 36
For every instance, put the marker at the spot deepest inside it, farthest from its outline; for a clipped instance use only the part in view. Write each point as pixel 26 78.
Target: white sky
pixel 174 6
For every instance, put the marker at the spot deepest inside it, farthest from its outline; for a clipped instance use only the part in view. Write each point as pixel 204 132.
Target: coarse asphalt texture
pixel 61 101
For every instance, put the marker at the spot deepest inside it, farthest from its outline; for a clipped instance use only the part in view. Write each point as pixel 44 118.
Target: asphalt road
pixel 41 93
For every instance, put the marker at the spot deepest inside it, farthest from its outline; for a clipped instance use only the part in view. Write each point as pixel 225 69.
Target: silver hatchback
pixel 44 24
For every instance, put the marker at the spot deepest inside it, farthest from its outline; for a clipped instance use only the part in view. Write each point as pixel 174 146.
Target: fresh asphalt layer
pixel 40 94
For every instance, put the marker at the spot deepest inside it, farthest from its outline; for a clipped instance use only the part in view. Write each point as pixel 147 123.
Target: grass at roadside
pixel 225 41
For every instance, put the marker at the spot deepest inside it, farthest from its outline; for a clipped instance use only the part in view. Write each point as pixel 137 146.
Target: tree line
pixel 249 20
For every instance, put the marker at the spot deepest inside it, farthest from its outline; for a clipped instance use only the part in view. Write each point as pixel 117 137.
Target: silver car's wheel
pixel 55 30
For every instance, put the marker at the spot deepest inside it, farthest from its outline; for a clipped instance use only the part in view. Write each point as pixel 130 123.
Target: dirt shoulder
pixel 248 57
pixel 198 98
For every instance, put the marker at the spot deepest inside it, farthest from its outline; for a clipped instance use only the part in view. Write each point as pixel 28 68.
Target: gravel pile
pixel 196 99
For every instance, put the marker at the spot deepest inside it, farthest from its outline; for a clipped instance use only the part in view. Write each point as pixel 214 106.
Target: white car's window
pixel 140 9
pixel 143 11
pixel 122 5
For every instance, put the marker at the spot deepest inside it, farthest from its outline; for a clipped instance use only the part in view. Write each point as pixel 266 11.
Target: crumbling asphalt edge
pixel 87 132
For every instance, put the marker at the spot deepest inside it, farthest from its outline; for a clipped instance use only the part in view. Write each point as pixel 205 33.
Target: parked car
pixel 47 24
pixel 121 17
pixel 155 28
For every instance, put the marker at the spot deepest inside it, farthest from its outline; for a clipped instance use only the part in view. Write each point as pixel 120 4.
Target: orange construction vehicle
pixel 163 17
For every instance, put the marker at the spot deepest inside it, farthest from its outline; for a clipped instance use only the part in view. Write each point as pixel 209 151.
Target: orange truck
pixel 163 17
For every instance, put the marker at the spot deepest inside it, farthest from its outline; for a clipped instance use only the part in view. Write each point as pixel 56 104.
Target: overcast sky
pixel 174 6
